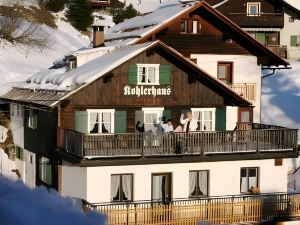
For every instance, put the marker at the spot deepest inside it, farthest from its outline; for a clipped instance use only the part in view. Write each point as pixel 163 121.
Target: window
pixel 101 121
pixel 183 26
pixel 198 183
pixel 249 178
pixel 161 187
pixel 148 73
pixel 45 170
pixel 121 187
pixel 245 115
pixel 152 117
pixel 295 40
pixel 253 9
pixel 291 19
pixel 195 26
pixel 225 72
pixel 72 64
pixel 19 152
pixel 31 118
pixel 205 118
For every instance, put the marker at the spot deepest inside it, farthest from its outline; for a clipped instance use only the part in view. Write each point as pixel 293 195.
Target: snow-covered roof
pixel 142 25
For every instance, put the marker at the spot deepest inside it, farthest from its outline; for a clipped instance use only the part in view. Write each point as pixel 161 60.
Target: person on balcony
pixel 167 127
pixel 189 124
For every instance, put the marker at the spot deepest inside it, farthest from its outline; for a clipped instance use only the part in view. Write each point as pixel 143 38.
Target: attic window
pixel 183 26
pixel 253 9
pixel 72 64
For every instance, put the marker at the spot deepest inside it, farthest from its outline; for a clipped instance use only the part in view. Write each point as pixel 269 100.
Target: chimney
pixel 98 36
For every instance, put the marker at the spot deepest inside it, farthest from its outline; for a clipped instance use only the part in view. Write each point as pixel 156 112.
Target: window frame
pixel 170 175
pixel 158 110
pixel 44 166
pixel 156 73
pixel 228 77
pixel 247 176
pixel 202 110
pixel 32 119
pixel 99 111
pixel 121 187
pixel 195 28
pixel 185 26
pixel 250 4
pixel 197 190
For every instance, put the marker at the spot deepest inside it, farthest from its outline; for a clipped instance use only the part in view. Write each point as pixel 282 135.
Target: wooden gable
pixel 185 90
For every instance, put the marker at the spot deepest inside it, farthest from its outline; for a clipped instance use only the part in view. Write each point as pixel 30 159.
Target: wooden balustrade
pixel 247 90
pixel 169 144
pixel 215 210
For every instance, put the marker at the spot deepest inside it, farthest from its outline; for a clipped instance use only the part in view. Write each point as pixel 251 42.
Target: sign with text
pixel 147 90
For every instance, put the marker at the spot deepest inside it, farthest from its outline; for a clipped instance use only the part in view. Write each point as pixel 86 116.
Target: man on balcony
pixel 189 124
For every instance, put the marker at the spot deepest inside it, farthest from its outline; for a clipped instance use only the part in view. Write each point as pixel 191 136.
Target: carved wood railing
pixel 212 210
pixel 246 90
pixel 168 144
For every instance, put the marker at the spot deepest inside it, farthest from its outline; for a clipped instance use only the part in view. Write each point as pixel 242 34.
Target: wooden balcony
pixel 173 144
pixel 258 20
pixel 213 210
pixel 247 90
pixel 280 50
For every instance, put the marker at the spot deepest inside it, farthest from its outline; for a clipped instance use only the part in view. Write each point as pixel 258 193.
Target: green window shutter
pixel 120 122
pixel 293 41
pixel 132 74
pixel 167 115
pixel 164 74
pixel 261 37
pixel 81 121
pixel 221 119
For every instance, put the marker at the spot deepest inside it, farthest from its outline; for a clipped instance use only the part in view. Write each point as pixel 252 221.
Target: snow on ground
pixel 24 206
pixel 281 98
pixel 18 63
pixel 144 6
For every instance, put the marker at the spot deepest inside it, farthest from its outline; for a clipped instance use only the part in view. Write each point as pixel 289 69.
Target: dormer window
pixel 148 73
pixel 71 63
pixel 253 8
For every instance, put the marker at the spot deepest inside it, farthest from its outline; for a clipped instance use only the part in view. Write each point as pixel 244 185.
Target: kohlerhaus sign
pixel 147 90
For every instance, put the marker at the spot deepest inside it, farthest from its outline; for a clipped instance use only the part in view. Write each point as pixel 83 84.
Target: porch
pixel 260 139
pixel 215 210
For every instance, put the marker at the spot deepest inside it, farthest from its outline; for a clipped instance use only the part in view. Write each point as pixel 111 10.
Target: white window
pixel 31 119
pixel 45 170
pixel 195 26
pixel 249 179
pixel 101 121
pixel 183 26
pixel 152 118
pixel 205 118
pixel 253 8
pixel 148 74
pixel 198 183
pixel 121 187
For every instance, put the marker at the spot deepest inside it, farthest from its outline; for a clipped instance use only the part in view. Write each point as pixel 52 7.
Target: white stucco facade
pixel 290 28
pixel 93 183
pixel 245 70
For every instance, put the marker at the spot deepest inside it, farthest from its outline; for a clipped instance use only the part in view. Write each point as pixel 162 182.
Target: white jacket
pixel 193 123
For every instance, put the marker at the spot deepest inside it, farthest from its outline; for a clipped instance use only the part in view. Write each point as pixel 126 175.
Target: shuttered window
pixel 132 74
pixel 295 40
pixel 120 122
pixel 164 74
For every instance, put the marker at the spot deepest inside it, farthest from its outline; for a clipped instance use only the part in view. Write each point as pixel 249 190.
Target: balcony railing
pixel 214 210
pixel 247 90
pixel 280 50
pixel 257 20
pixel 172 144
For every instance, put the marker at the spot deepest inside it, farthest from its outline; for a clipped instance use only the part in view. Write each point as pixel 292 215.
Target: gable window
pixel 291 19
pixel 161 187
pixel 225 72
pixel 195 26
pixel 183 26
pixel 248 179
pixel 205 118
pixel 31 118
pixel 198 183
pixel 121 187
pixel 253 8
pixel 148 73
pixel 101 121
pixel 295 40
pixel 45 170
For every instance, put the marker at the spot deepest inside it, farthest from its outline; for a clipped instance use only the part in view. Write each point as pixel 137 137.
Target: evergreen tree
pixel 54 5
pixel 120 14
pixel 79 13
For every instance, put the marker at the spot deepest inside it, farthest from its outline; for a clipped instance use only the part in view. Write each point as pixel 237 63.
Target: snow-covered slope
pixel 281 98
pixel 18 63
pixel 24 206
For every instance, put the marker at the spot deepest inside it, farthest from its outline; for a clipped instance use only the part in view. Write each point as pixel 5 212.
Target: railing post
pixel 257 133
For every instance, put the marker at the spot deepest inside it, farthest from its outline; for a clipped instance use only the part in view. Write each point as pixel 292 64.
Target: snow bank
pixel 23 206
pixel 281 98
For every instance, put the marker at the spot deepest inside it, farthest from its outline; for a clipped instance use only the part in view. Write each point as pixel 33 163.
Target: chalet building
pixel 104 4
pixel 95 130
pixel 273 23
